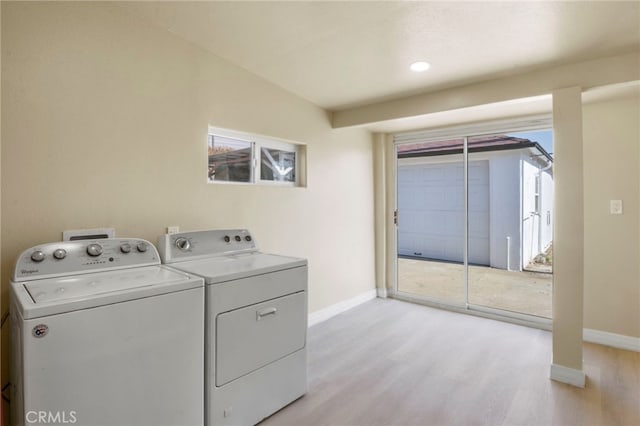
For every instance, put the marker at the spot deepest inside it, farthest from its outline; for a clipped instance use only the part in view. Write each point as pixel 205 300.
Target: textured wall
pixel 611 248
pixel 105 123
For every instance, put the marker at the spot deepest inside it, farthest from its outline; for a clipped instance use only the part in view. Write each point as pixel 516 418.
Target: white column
pixel 568 241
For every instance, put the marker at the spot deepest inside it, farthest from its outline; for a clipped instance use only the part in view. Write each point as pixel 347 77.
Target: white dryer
pixel 256 322
pixel 104 335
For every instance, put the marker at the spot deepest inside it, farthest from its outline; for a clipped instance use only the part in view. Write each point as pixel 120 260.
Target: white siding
pixel 479 213
pixel 505 209
pixel 537 223
pixel 546 211
pixel 530 216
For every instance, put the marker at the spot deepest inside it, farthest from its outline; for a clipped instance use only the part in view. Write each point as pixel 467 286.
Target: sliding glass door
pixel 516 274
pixel 475 221
pixel 431 220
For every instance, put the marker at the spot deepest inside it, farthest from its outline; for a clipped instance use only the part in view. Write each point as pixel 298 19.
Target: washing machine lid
pixel 217 269
pixel 64 294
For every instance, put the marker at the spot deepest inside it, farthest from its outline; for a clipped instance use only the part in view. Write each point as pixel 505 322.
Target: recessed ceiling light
pixel 420 66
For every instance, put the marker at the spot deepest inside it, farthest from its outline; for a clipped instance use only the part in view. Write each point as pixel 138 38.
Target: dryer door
pixel 254 336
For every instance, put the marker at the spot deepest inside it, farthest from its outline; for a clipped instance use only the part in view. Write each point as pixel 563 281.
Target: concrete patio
pixel 524 292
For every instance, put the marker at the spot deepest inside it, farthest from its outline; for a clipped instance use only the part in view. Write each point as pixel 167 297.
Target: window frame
pixel 257 142
pixel 489 127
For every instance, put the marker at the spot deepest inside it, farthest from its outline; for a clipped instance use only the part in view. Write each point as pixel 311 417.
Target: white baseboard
pixel 335 309
pixel 619 341
pixel 567 375
pixel 381 292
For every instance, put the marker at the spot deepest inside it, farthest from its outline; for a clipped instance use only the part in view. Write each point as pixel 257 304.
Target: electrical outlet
pixel 615 206
pixel 173 229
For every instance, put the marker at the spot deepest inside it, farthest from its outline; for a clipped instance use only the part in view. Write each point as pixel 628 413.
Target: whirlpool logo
pixel 40 330
pixel 51 417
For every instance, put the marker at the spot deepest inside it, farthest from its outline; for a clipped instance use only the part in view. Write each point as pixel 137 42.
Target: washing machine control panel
pixel 76 257
pixel 190 245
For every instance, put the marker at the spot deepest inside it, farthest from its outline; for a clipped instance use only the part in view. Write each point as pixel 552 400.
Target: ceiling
pixel 340 55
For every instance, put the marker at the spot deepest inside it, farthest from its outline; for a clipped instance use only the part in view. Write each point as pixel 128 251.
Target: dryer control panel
pixel 192 245
pixel 79 257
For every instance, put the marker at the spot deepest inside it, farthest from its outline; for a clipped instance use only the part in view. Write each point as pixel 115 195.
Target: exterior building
pixel 510 201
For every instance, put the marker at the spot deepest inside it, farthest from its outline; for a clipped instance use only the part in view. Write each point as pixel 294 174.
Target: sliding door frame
pixel 531 123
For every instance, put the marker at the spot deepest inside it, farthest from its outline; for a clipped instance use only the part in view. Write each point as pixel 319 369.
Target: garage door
pixel 431 211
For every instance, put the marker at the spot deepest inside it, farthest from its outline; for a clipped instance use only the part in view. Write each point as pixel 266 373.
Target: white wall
pixel 546 209
pixel 505 209
pixel 611 244
pixel 537 230
pixel 105 123
pixel 479 206
pixel 530 219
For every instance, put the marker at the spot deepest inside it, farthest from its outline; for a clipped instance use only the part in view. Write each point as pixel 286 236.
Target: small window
pixel 277 165
pixel 229 159
pixel 245 158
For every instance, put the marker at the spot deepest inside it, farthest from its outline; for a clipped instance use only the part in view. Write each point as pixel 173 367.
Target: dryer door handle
pixel 265 312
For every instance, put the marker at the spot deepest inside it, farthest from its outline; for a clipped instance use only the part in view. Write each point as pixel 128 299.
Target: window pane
pixel 277 165
pixel 516 275
pixel 431 220
pixel 229 159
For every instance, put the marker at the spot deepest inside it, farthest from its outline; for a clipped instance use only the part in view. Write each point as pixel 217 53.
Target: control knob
pixel 94 249
pixel 125 248
pixel 227 238
pixel 37 256
pixel 183 244
pixel 60 254
pixel 142 247
pixel 248 238
pixel 238 238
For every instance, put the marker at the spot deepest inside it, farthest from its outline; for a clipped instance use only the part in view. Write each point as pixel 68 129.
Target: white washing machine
pixel 104 335
pixel 256 322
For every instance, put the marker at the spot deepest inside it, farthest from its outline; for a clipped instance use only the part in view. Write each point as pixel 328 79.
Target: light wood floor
pixel 388 362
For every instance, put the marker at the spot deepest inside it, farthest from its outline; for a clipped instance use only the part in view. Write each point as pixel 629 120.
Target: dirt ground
pixel 526 292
